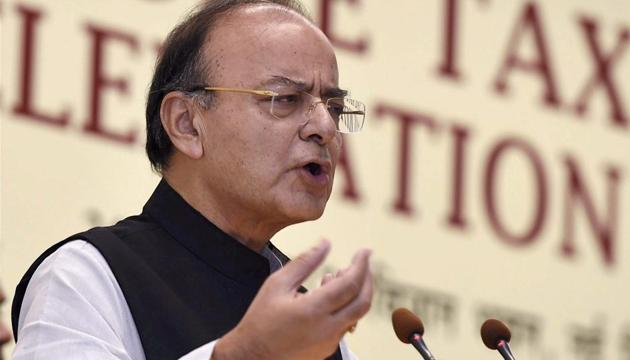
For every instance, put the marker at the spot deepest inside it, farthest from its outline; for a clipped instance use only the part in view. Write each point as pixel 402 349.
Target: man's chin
pixel 304 214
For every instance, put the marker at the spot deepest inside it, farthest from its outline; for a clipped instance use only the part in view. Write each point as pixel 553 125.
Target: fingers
pixel 327 278
pixel 296 271
pixel 359 306
pixel 344 288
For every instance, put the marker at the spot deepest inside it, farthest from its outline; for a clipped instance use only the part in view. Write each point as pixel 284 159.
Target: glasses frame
pixel 244 91
pixel 309 110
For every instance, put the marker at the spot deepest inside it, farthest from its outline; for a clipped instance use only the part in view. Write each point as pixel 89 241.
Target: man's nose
pixel 319 125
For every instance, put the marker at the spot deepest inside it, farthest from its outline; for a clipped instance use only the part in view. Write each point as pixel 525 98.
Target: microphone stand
pixel 419 344
pixel 504 349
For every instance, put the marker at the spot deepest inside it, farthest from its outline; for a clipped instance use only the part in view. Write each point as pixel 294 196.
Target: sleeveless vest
pixel 186 282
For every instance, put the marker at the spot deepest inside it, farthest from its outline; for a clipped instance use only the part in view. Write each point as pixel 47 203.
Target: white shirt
pixel 74 308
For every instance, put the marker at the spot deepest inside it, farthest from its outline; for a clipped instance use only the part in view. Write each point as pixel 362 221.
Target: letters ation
pixel 100 82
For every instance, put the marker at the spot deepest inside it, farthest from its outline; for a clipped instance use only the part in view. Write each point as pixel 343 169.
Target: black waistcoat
pixel 186 282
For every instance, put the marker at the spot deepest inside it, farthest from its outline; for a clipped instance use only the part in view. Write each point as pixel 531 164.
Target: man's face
pixel 5 333
pixel 257 165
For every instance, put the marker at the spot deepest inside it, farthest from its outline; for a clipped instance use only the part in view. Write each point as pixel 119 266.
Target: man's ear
pixel 177 114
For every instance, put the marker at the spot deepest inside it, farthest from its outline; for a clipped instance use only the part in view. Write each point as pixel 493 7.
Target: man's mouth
pixel 317 173
pixel 313 168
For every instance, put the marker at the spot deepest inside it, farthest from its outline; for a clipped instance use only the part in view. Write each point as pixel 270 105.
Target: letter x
pixel 603 64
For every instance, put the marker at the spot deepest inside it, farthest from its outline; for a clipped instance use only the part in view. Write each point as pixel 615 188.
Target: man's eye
pixel 287 99
pixel 336 109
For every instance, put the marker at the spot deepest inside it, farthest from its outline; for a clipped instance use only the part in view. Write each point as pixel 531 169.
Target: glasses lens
pixel 349 114
pixel 284 105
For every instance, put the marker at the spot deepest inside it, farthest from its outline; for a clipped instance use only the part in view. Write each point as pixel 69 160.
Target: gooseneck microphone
pixel 409 329
pixel 496 336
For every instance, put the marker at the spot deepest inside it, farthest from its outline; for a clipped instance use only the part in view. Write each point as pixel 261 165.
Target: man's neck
pixel 232 220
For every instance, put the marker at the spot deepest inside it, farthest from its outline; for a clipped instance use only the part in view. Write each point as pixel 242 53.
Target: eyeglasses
pixel 347 114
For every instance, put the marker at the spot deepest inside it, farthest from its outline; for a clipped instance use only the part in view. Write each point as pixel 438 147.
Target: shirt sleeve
pixel 74 308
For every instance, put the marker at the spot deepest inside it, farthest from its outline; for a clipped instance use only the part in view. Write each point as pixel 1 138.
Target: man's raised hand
pixel 279 324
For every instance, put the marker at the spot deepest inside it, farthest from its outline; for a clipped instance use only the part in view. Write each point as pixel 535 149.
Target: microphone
pixel 409 329
pixel 496 336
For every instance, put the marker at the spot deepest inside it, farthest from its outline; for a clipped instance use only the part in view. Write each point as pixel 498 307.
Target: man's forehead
pixel 270 39
pixel 248 17
pixel 261 19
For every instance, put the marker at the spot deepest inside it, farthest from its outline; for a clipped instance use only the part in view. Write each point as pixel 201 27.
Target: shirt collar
pixel 203 239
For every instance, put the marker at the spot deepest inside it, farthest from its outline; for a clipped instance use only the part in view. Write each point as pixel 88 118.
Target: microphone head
pixel 406 324
pixel 493 331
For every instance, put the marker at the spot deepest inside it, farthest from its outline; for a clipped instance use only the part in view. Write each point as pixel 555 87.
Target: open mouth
pixel 313 168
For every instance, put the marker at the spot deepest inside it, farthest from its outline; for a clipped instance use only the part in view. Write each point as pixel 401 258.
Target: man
pixel 243 121
pixel 5 334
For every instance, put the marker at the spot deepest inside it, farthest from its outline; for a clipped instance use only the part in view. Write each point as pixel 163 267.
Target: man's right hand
pixel 283 324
